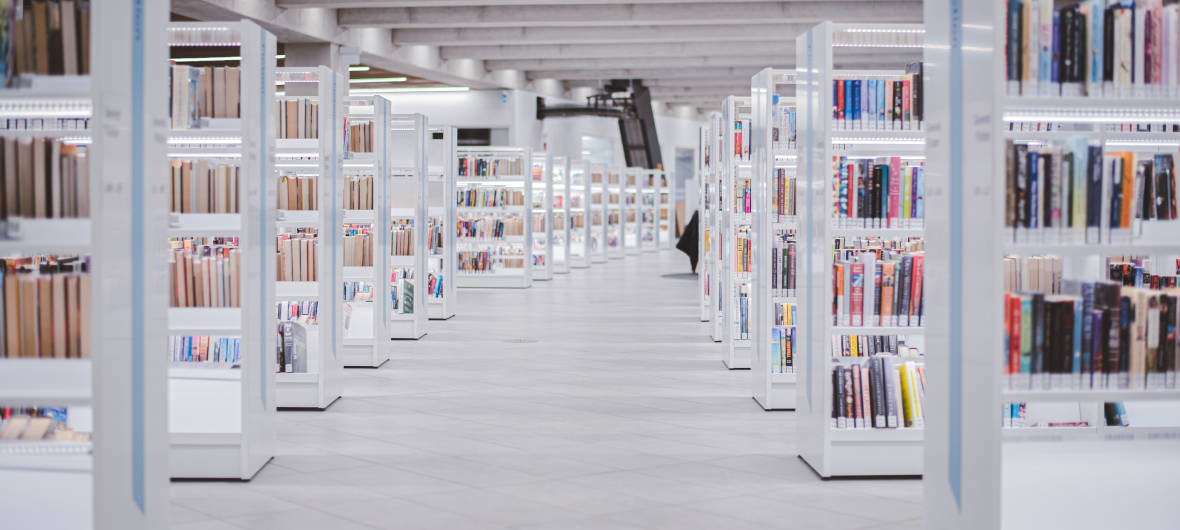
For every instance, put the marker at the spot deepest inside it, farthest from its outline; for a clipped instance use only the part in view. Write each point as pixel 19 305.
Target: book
pixel 46 307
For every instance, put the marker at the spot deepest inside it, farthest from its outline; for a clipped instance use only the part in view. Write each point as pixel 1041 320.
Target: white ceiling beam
pixel 794 12
pixel 459 3
pixel 731 73
pixel 587 51
pixel 772 32
pixel 640 62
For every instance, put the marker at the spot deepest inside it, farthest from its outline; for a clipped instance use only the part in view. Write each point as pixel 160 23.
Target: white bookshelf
pixel 713 249
pixel 542 215
pixel 631 219
pixel 441 299
pixel 597 210
pixel 579 214
pixel 323 159
pixel 648 194
pixel 613 205
pixel 830 451
pixel 704 217
pixel 774 376
pixel 511 250
pixel 221 420
pixel 980 475
pixel 560 217
pixel 735 344
pixel 118 479
pixel 666 214
pixel 407 192
pixel 366 335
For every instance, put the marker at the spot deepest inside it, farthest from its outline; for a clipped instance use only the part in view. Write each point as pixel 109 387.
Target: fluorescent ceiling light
pixel 365 91
pixel 207 59
pixel 358 68
pixel 398 79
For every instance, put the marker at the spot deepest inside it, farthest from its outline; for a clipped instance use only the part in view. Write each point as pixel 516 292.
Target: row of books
pixel 1107 48
pixel 203 92
pixel 295 258
pixel 875 288
pixel 31 424
pixel 538 260
pixel 783 127
pixel 299 118
pixel 1074 185
pixel 743 134
pixel 296 193
pixel 489 197
pixel 402 294
pixel 1093 335
pixel 613 218
pixel 44 178
pixel 434 285
pixel 358 247
pixel 783 263
pixel 1041 274
pixel 875 103
pixel 784 194
pixel 1136 272
pixel 782 350
pixel 489 227
pixel 743 246
pixel 45 309
pixel 539 223
pixel 884 192
pixel 884 393
pixel 204 187
pixel 358 292
pixel 291 348
pixel 742 312
pixel 870 345
pixel 359 137
pixel 577 220
pixel 205 349
pixel 205 275
pixel 470 166
pixel 292 310
pixel 558 221
pixel 784 313
pixel 402 240
pixel 45 37
pixel 358 193
pixel 743 195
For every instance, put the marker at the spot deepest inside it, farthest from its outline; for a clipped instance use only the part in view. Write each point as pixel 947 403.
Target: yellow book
pixel 907 405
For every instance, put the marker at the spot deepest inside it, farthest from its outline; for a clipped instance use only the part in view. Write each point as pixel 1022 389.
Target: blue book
pixel 848 99
pixel 775 354
pixel 1055 73
pixel 1097 7
pixel 856 99
pixel 871 104
pixel 919 193
pixel 1078 311
pixel 881 96
pixel 1033 199
pixel 1014 54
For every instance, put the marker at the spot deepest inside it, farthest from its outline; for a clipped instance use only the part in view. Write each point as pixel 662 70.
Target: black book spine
pixel 1110 363
pixel 1020 179
pixel 1094 188
pixel 1038 333
pixel 903 298
pixel 1168 332
pixel 1147 192
pixel 1045 172
pixel 1067 325
pixel 1081 53
pixel 1126 323
pixel 1108 59
pixel 837 390
pixel 1064 53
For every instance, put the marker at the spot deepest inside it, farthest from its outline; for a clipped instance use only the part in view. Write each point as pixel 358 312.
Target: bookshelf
pixel 494 194
pixel 407 221
pixel 666 216
pixel 704 218
pixel 775 225
pixel 834 140
pixel 613 205
pixel 631 219
pixel 367 291
pixel 309 160
pixel 117 477
pixel 648 236
pixel 440 285
pixel 221 418
pixel 735 220
pixel 713 199
pixel 542 216
pixel 987 469
pixel 598 227
pixel 561 215
pixel 579 208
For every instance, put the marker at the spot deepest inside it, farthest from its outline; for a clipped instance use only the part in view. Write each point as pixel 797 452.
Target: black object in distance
pixel 688 243
pixel 436 136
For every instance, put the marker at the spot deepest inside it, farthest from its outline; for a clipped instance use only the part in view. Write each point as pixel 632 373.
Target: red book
pixel 916 291
pixel 840 99
pixel 857 296
pixel 905 103
pixel 895 178
pixel 857 396
pixel 737 138
pixel 1012 311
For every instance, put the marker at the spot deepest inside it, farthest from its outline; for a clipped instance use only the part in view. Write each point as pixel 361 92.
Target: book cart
pixel 613 205
pixel 221 413
pixel 774 311
pixel 110 471
pixel 648 236
pixel 666 230
pixel 407 222
pixel 367 294
pixel 737 175
pixel 494 192
pixel 309 157
pixel 631 228
pixel 995 459
pixel 598 228
pixel 561 215
pixel 440 177
pixel 830 440
pixel 712 197
pixel 579 222
pixel 542 216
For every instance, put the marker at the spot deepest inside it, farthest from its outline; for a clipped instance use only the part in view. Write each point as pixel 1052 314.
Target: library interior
pixel 589 264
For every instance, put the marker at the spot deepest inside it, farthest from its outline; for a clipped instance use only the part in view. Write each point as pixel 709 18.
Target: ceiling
pixel 691 52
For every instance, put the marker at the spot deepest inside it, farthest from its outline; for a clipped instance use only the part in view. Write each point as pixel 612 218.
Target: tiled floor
pixel 594 401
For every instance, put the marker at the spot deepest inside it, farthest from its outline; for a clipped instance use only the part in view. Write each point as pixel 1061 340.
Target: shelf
pixel 1115 109
pixel 783 378
pixel 297 291
pixel 1097 433
pixel 297 377
pixel 1089 396
pixel 204 224
pixel 488 240
pixel 363 274
pixel 45 236
pixel 878 232
pixel 45 382
pixel 47 455
pixel 359 217
pixel 491 210
pixel 310 145
pixel 401 261
pixel 204 371
pixel 220 321
pixel 1084 250
pixel 401 213
pixel 869 435
pixel 876 330
pixel 297 218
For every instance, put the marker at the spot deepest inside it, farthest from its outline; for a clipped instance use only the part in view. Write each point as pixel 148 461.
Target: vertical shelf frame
pixel 560 217
pixel 597 211
pixel 613 224
pixel 649 235
pixel 541 201
pixel 407 191
pixel 631 219
pixel 666 203
pixel 715 195
pixel 440 174
pixel 579 214
pixel 735 350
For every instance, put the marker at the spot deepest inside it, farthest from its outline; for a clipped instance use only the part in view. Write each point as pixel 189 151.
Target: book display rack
pixel 1056 218
pixel 705 218
pixel 69 456
pixel 542 213
pixel 648 236
pixel 561 215
pixel 598 211
pixel 631 228
pixel 860 372
pixel 494 203
pixel 366 247
pixel 440 182
pixel 309 159
pixel 408 183
pixel 221 406
pixel 713 254
pixel 734 244
pixel 579 222
pixel 667 210
pixel 613 205
pixel 774 249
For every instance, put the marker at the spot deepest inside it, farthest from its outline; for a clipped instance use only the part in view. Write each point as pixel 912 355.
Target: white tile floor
pixel 593 401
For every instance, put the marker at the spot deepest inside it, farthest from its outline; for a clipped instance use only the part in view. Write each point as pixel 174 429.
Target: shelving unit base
pixel 439 312
pixel 781 395
pixel 211 456
pixel 737 359
pixel 405 330
pixel 302 391
pixel 878 453
pixel 363 355
pixel 499 282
